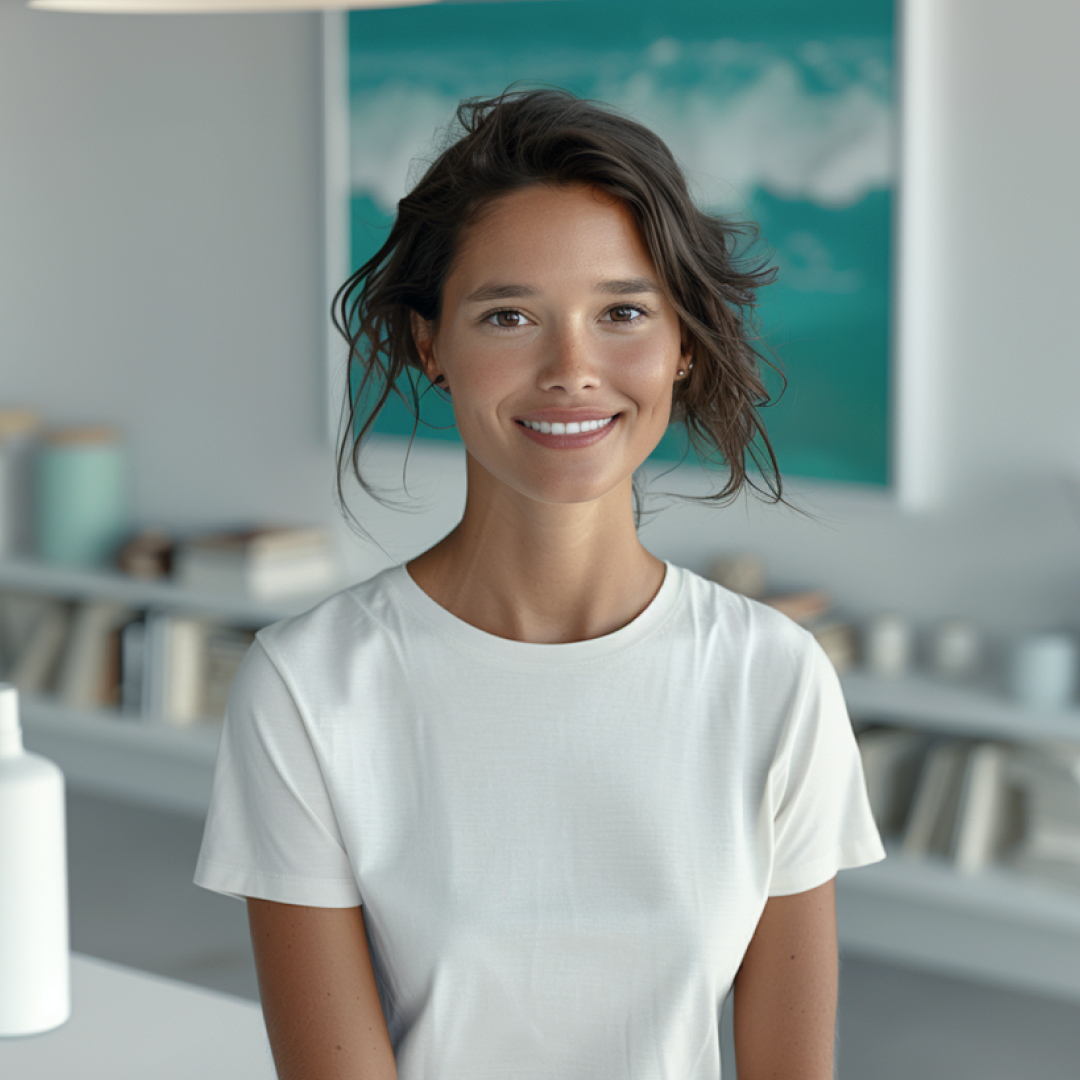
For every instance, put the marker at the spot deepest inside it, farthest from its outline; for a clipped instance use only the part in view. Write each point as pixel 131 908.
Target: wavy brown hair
pixel 549 136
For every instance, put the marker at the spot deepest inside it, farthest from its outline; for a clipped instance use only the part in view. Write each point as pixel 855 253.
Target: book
pixel 263 563
pixel 19 612
pixel 132 660
pixel 185 661
pixel 172 667
pixel 891 758
pixel 931 819
pixel 154 646
pixel 88 668
pixel 263 542
pixel 33 669
pixel 980 816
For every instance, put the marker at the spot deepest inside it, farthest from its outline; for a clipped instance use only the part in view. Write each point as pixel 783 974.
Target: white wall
pixel 160 262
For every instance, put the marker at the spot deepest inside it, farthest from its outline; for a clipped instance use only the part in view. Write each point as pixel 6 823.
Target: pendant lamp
pixel 181 7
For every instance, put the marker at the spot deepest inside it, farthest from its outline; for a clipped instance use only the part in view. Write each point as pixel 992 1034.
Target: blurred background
pixel 162 271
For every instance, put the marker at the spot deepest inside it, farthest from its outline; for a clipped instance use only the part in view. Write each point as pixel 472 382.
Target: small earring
pixel 680 373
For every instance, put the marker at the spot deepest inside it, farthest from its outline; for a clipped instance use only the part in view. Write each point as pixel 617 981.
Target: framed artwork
pixel 786 112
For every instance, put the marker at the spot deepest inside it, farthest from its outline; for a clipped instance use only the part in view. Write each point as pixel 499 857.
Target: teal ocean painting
pixel 781 111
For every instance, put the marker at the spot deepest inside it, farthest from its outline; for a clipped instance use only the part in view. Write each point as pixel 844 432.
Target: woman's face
pixel 557 343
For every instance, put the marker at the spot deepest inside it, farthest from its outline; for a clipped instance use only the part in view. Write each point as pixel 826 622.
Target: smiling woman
pixel 533 803
pixel 685 259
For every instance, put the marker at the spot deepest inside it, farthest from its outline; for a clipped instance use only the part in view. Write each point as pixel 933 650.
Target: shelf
pixel 996 891
pixel 146 760
pixel 971 711
pixel 106 752
pixel 995 926
pixel 31 576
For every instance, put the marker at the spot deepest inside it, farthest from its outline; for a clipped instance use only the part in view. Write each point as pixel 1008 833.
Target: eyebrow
pixel 616 287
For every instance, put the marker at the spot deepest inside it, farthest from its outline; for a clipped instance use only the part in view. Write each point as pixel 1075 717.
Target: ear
pixel 423 332
pixel 686 351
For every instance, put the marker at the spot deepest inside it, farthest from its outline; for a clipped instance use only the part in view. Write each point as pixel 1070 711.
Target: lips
pixel 569 434
pixel 572 427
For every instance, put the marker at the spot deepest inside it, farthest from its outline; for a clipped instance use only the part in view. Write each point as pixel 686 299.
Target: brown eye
pixel 625 313
pixel 508 319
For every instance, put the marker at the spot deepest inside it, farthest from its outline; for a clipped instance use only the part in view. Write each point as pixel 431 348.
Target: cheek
pixel 649 374
pixel 485 380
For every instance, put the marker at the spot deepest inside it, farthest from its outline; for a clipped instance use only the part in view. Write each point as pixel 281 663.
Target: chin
pixel 570 493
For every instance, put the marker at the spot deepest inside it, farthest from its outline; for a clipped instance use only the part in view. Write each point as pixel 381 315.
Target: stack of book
pixel 1049 778
pixel 97 654
pixel 33 633
pixel 958 799
pixel 265 563
pixel 891 760
pixel 179 668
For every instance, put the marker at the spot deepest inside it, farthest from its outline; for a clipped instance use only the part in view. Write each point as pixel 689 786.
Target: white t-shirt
pixel 562 850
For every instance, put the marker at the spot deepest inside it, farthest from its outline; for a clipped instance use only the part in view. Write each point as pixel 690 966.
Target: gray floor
pixel 132 901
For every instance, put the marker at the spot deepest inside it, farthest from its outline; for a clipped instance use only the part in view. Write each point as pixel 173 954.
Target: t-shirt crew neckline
pixel 651 619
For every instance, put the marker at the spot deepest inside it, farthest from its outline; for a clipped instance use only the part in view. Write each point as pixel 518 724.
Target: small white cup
pixel 1043 670
pixel 887 645
pixel 955 649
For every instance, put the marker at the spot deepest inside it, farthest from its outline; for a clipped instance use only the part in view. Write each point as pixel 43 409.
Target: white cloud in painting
pixel 391 130
pixel 830 149
pixel 748 118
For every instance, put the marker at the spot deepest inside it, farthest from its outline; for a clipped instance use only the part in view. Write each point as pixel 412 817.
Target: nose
pixel 570 363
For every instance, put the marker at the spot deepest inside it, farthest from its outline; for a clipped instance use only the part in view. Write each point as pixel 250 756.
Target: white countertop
pixel 128 1025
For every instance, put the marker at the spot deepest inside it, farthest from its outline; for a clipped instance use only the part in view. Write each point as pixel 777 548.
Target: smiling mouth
pixel 570 428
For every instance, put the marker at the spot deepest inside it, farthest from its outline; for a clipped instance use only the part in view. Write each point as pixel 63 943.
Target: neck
pixel 542 572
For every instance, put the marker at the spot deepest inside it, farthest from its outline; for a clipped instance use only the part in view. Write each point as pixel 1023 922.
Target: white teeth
pixel 572 428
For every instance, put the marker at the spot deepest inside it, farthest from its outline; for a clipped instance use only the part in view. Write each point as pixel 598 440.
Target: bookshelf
pixel 138 758
pixel 994 926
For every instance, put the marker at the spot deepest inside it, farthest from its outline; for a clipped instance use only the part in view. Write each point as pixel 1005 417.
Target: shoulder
pixel 741 626
pixel 756 654
pixel 329 632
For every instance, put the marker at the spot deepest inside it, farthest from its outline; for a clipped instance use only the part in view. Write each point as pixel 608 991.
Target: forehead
pixel 547 228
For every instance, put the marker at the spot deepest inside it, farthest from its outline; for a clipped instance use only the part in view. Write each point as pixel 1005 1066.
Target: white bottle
pixel 35 956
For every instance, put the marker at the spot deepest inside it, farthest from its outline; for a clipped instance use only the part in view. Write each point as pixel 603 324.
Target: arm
pixel 784 1007
pixel 322 1010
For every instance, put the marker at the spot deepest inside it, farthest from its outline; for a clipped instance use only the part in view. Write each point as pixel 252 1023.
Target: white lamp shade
pixel 181 7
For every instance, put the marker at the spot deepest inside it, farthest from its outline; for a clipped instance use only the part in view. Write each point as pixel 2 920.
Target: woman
pixel 533 803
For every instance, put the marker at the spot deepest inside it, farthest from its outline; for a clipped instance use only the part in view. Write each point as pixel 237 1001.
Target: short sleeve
pixel 271 831
pixel 822 822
